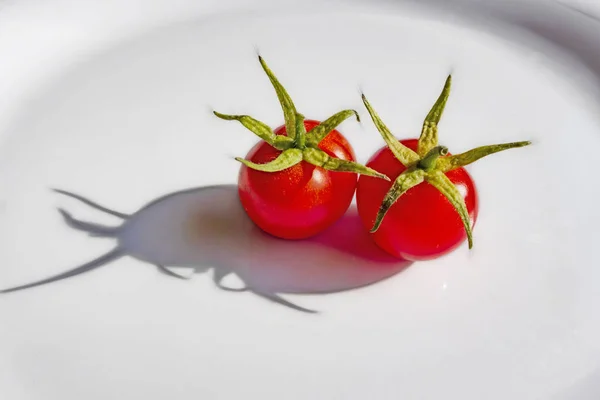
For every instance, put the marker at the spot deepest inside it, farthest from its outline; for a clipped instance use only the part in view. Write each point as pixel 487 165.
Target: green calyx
pixel 430 162
pixel 299 145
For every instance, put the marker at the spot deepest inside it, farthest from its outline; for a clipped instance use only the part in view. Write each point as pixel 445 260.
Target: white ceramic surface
pixel 128 123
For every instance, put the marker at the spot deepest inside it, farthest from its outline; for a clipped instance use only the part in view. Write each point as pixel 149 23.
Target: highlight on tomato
pixel 430 207
pixel 301 177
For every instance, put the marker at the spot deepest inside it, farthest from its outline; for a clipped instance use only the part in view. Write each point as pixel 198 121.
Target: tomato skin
pixel 302 200
pixel 422 224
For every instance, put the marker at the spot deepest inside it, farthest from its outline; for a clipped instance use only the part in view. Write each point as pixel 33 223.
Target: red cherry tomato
pixel 302 200
pixel 421 224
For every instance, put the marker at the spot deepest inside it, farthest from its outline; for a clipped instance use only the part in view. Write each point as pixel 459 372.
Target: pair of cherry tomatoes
pixel 301 178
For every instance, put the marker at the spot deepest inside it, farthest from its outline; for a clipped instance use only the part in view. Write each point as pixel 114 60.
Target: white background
pixel 37 40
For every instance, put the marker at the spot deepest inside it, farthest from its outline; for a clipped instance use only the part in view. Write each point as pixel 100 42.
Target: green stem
pixel 428 162
pixel 405 181
pixel 287 105
pixel 405 155
pixel 445 186
pixel 429 132
pixel 298 145
pixel 285 160
pixel 321 159
pixel 300 136
pixel 319 132
pixel 468 157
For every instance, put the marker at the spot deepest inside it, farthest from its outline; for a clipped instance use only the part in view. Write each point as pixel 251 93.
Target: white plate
pixel 515 318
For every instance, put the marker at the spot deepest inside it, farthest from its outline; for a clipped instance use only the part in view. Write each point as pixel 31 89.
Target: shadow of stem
pixel 206 228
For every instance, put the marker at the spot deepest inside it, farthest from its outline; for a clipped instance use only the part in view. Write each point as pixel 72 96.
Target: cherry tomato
pixel 301 200
pixel 422 224
pixel 301 177
pixel 430 206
